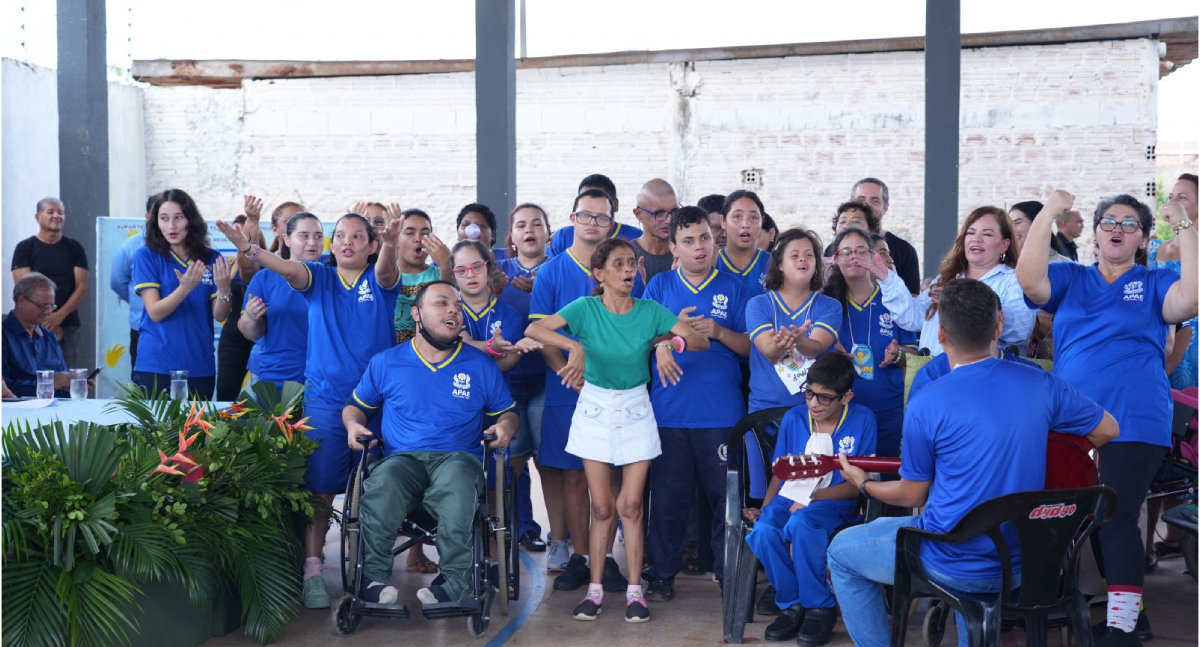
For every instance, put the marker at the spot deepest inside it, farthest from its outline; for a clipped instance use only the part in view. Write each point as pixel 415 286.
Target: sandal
pixel 422 564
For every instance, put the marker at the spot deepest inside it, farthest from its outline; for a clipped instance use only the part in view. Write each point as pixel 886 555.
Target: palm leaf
pixel 32 612
pixel 100 607
pixel 145 551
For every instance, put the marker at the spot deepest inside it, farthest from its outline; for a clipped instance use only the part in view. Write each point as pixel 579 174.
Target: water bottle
pixel 79 385
pixel 45 385
pixel 179 385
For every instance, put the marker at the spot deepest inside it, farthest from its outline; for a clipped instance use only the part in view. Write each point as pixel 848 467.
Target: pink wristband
pixel 682 343
pixel 492 351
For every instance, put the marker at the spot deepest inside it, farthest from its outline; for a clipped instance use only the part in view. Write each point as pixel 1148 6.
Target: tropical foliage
pixel 185 494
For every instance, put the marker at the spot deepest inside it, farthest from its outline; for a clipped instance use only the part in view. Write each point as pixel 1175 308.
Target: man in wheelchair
pixel 434 393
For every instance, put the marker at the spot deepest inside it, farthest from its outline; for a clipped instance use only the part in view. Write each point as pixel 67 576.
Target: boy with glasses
pixel 798 517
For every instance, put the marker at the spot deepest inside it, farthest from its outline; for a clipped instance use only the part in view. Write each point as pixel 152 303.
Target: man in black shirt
pixel 655 202
pixel 63 261
pixel 874 193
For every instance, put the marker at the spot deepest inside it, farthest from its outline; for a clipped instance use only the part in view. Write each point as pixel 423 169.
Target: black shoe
pixel 1114 637
pixel 575 575
pixel 532 543
pixel 1142 629
pixel 587 609
pixel 787 625
pixel 1151 563
pixel 1166 550
pixel 766 604
pixel 613 581
pixel 660 590
pixel 817 627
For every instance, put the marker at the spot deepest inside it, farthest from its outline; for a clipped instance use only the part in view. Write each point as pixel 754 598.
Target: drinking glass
pixel 179 387
pixel 79 385
pixel 45 385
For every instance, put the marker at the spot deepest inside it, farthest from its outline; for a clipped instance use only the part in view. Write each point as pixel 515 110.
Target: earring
pixel 1003 256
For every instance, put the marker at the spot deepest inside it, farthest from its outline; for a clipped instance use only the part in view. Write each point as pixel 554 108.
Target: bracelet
pixel 682 343
pixel 252 251
pixel 224 297
pixel 492 351
pixel 862 488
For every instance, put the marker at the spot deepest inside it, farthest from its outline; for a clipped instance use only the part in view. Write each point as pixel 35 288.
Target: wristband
pixel 682 343
pixel 492 351
pixel 862 488
pixel 252 251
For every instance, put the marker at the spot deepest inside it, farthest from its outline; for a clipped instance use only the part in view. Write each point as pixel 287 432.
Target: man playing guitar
pixel 982 431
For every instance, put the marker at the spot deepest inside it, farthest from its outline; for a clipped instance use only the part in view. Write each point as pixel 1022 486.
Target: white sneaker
pixel 557 556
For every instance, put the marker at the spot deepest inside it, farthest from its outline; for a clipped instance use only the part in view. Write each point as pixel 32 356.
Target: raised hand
pixel 360 208
pixel 390 234
pixel 235 236
pixel 877 267
pixel 221 275
pixel 392 211
pixel 190 278
pixel 255 308
pixel 1173 212
pixel 1059 201
pixel 437 250
pixel 252 205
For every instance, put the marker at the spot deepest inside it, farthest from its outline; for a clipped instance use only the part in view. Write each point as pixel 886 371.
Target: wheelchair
pixel 420 528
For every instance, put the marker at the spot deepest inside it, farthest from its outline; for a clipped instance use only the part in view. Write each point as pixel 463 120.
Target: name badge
pixel 792 370
pixel 863 359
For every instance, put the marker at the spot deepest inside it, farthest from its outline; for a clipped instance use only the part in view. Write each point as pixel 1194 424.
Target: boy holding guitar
pixel 799 516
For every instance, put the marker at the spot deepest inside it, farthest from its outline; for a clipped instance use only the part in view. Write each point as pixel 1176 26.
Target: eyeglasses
pixel 861 252
pixel 1127 226
pixel 44 307
pixel 585 218
pixel 656 215
pixel 467 270
pixel 822 398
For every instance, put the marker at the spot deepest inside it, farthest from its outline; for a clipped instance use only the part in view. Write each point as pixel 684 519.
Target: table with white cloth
pixel 70 412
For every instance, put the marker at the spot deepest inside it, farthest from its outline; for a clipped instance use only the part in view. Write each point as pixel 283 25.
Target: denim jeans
pixel 863 557
pixel 529 404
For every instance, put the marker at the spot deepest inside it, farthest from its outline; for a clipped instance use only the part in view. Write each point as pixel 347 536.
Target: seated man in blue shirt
pixel 973 435
pixel 433 392
pixel 29 346
pixel 798 518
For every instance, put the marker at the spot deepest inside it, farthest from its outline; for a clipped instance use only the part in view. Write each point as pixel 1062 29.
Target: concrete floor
pixel 542 616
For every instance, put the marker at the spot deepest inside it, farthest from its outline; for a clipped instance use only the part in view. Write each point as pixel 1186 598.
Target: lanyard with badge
pixel 861 355
pixel 792 368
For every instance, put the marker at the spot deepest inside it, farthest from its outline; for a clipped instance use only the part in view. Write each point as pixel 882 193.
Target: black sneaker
pixel 787 625
pixel 1114 637
pixel 612 580
pixel 817 627
pixel 532 543
pixel 636 609
pixel 575 575
pixel 379 593
pixel 587 609
pixel 660 590
pixel 766 604
pixel 1142 629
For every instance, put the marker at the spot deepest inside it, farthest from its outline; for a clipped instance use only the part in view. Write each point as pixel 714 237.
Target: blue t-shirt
pixel 870 324
pixel 428 408
pixel 752 275
pixel 767 312
pixel 980 433
pixel 483 324
pixel 286 332
pixel 184 340
pixel 121 277
pixel 1185 372
pixel 940 366
pixel 24 356
pixel 560 281
pixel 854 436
pixel 530 371
pixel 347 325
pixel 565 237
pixel 709 395
pixel 1110 343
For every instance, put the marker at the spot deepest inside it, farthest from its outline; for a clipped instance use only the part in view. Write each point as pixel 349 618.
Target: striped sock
pixel 1123 605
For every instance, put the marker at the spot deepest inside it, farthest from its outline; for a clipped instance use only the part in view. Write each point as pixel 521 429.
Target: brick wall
pixel 1033 118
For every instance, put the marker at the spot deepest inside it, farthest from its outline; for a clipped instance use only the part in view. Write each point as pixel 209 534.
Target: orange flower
pixel 284 427
pixel 300 425
pixel 235 410
pixel 195 419
pixel 163 467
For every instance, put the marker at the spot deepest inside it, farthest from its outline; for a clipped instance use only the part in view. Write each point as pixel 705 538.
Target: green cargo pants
pixel 448 484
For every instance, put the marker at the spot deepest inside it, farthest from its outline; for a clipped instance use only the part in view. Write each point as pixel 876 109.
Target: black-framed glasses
pixel 656 215
pixel 585 218
pixel 467 270
pixel 863 253
pixel 44 307
pixel 823 398
pixel 1127 226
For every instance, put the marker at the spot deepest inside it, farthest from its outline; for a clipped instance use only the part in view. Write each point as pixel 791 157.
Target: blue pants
pixel 863 557
pixel 689 457
pixel 798 574
pixel 329 467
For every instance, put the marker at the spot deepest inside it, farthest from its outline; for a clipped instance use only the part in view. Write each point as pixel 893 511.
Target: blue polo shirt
pixel 870 324
pixel 768 312
pixel 530 371
pixel 709 394
pixel 348 323
pixel 184 340
pixel 24 356
pixel 565 237
pixel 980 433
pixel 432 408
pixel 854 436
pixel 1110 343
pixel 560 281
pixel 752 275
pixel 940 366
pixel 483 324
pixel 280 357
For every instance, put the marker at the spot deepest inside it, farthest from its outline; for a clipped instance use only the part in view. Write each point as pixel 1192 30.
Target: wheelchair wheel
pixel 345 620
pixel 1187 545
pixel 501 534
pixel 350 530
pixel 934 627
pixel 511 536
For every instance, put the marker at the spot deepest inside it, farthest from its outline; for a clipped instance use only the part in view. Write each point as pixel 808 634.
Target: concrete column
pixel 943 55
pixel 496 107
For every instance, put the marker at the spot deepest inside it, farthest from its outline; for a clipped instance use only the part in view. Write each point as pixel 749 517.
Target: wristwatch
pixel 1186 223
pixel 862 487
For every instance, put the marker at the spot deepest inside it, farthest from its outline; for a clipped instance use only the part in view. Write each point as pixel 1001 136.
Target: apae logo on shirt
pixel 207 279
pixel 1133 291
pixel 493 328
pixel 846 445
pixel 462 386
pixel 885 324
pixel 720 306
pixel 364 292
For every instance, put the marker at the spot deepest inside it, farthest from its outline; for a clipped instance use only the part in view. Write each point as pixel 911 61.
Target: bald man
pixel 655 202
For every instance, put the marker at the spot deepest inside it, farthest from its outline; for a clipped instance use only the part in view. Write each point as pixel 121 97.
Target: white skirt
pixel 615 427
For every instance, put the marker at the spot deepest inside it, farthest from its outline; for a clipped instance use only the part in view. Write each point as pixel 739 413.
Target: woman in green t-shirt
pixel 613 425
